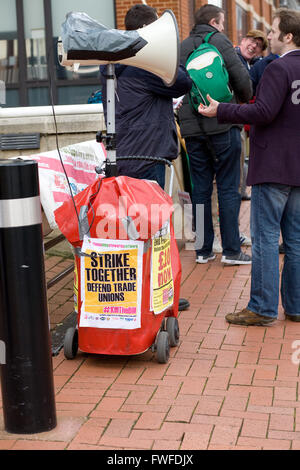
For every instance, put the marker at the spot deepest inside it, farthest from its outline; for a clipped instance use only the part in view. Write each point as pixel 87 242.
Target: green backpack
pixel 206 67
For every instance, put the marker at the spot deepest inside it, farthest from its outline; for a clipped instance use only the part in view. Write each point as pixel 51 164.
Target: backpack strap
pixel 204 39
pixel 209 35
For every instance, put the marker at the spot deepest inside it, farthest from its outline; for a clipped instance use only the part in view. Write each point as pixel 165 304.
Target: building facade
pixel 30 74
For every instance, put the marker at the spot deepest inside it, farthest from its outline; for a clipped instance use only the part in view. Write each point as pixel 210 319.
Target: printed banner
pixel 111 283
pixel 79 161
pixel 162 286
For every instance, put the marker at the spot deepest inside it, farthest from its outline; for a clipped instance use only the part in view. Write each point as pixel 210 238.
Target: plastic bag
pixel 80 32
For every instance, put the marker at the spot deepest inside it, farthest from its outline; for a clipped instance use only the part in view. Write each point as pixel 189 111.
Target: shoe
pixel 202 259
pixel 217 248
pixel 240 258
pixel 281 249
pixel 245 197
pixel 183 304
pixel 292 317
pixel 244 240
pixel 247 318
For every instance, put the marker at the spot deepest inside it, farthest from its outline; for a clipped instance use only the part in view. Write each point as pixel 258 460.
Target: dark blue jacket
pixel 145 124
pixel 242 58
pixel 258 69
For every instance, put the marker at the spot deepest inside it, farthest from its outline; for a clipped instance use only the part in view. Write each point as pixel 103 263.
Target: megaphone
pixel 158 51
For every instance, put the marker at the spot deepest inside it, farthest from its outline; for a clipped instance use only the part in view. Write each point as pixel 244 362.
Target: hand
pixel 211 110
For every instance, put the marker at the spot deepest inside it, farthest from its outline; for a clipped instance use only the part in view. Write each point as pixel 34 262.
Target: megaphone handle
pixel 111 167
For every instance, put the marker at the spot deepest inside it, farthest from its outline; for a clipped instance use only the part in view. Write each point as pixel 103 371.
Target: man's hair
pixel 258 34
pixel 139 15
pixel 206 13
pixel 289 22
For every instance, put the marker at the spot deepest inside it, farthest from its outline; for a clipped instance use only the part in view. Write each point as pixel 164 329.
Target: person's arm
pixel 182 85
pixel 272 91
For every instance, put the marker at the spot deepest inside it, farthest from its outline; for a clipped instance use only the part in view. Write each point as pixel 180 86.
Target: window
pixel 9 67
pixel 192 8
pixel 28 54
pixel 241 23
pixel 35 40
pixel 257 24
pixel 217 3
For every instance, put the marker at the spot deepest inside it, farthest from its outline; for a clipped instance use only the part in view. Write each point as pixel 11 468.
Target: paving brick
pixel 248 357
pixel 241 376
pixel 149 420
pixel 192 385
pixel 161 444
pixel 220 381
pixel 213 341
pixel 200 368
pixel 7 444
pixel 265 373
pixel 38 445
pixel 264 444
pixel 180 414
pixel 235 335
pixel 254 428
pixel 281 423
pixel 224 435
pixel 235 403
pixel 119 428
pixel 226 358
pixel 217 420
pixel 209 405
pixel 90 432
pixel 179 367
pixel 196 440
pixel 261 396
pixel 165 392
pixel 285 393
pixel 110 403
pixel 125 443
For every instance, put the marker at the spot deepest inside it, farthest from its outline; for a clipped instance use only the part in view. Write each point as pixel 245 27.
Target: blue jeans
pixel 227 147
pixel 275 207
pixel 155 172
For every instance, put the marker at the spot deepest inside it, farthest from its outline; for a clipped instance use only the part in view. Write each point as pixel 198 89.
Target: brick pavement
pixel 224 387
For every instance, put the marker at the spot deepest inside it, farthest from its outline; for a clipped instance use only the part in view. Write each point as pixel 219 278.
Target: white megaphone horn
pixel 159 55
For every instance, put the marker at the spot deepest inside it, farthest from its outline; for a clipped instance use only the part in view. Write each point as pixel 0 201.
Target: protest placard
pixel 111 283
pixel 162 286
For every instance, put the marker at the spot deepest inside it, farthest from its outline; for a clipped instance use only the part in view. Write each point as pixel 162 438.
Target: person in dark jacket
pixel 251 47
pixel 145 124
pixel 226 141
pixel 249 51
pixel 274 174
pixel 258 69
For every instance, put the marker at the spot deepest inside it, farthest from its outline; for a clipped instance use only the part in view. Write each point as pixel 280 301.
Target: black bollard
pixel 27 375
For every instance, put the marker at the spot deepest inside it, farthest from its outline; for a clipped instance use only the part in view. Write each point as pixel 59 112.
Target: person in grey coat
pixel 225 140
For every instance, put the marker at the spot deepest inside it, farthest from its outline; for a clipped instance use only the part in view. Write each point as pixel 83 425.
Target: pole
pixel 111 161
pixel 27 375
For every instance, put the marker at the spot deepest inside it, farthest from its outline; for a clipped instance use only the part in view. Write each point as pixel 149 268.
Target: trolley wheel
pixel 173 330
pixel 71 343
pixel 163 347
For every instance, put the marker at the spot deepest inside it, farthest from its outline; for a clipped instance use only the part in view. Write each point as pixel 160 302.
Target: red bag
pixel 117 208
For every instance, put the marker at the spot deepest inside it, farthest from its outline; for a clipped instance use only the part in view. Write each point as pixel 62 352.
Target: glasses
pixel 257 42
